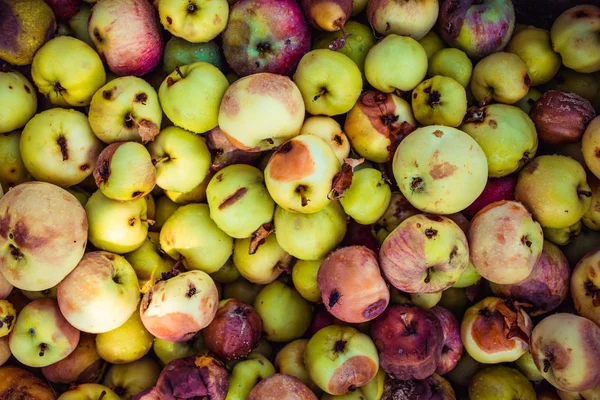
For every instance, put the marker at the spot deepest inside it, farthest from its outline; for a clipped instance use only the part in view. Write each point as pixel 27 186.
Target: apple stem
pixel 300 190
pixel 156 162
pixel 321 93
pixel 585 193
pixel 179 72
pixel 149 221
pixel 102 395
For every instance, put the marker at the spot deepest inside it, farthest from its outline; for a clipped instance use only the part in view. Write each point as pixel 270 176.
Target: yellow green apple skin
pixel 506 384
pixel 440 169
pixel 190 96
pixel 529 100
pixel 125 109
pixel 58 146
pixel 304 276
pixel 439 101
pixel 197 21
pixel 228 273
pixel 310 236
pixel 389 16
pixel 239 201
pixel 554 188
pixel 534 47
pixel 12 169
pixel 203 246
pixel 367 210
pixel 265 265
pixel 115 226
pixel 246 374
pixel 331 132
pixel 180 52
pixel 502 77
pixel 167 351
pixel 527 367
pixel 590 146
pixel 432 43
pixel 149 262
pixel 453 63
pixel 575 37
pixel 42 336
pixel 591 218
pixel 563 236
pixel 290 360
pixel 89 391
pixel 68 72
pixel 79 24
pixel 242 290
pixel 396 63
pixel 165 207
pixel 7 316
pixel 132 378
pixel 469 277
pixel 18 101
pixel 196 195
pixel 285 314
pixel 585 85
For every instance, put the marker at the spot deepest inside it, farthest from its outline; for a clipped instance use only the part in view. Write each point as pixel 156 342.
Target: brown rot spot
pixel 415 95
pixel 107 94
pixel 592 291
pixel 286 148
pixel 547 365
pixel 434 98
pixel 263 48
pixel 334 298
pixel 27 89
pixel 129 121
pixel 597 152
pixel 219 178
pixel 438 133
pixel 417 184
pixel 136 194
pixel 141 98
pixel 192 8
pixel 389 120
pixel 527 80
pixel 84 167
pixel 525 240
pixel 131 221
pixel 374 309
pixel 475 115
pixel 64 150
pixel 492 123
pixel 10 88
pixel 235 196
pixel 351 388
pixel 430 233
pixel 97 35
pixel 338 139
pixel 340 346
pixel 435 218
pixel 453 253
pixel 581 14
pixel 104 171
pixel 442 170
pixel 169 20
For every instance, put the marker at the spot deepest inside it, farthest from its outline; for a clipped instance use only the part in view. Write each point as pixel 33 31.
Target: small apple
pixel 79 24
pixel 7 317
pixel 149 262
pixel 281 387
pixel 242 290
pixel 228 273
pixel 89 391
pixel 534 47
pixel 452 63
pixel 388 16
pixel 19 383
pixel 590 146
pixel 18 101
pixel 502 77
pixel 591 218
pixel 526 365
pixel 425 300
pixel 165 207
pixel 529 100
pixel 180 52
pixel 585 85
pixel 585 286
pixel 495 190
pixel 127 380
pixel 195 21
pixel 290 360
pixel 363 210
pixel 167 351
pixel 327 15
pixel 432 43
pixel 83 365
pixel 12 169
pixel 564 236
pixel 246 374
pixel 331 132
pixel 263 265
pixel 505 384
pixel 224 153
pixel 304 277
pixel 452 349
pixel 439 101
pixel 398 210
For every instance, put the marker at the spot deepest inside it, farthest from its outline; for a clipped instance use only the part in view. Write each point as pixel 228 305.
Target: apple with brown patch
pixel 585 286
pixel 83 365
pixel 17 383
pixel 452 347
pixel 281 387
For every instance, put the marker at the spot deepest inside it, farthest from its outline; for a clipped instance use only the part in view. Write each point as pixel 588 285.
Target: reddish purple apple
pixel 64 9
pixel 495 190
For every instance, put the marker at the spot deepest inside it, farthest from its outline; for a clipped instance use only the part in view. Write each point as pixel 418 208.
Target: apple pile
pixel 299 200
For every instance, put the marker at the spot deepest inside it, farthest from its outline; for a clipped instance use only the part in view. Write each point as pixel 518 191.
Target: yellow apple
pixel 18 101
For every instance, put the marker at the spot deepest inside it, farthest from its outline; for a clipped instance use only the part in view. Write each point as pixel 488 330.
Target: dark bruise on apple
pixel 281 387
pixel 433 387
pixel 224 153
pixel 585 286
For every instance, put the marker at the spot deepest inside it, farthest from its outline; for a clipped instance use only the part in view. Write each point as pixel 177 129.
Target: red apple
pixel 495 190
pixel 453 347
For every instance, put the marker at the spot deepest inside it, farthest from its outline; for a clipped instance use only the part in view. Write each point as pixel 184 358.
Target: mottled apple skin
pixel 83 365
pixel 281 387
pixel 265 36
pixel 235 330
pixel 495 190
pixel 433 387
pixel 409 341
pixel 17 383
pixel 478 28
pixel 452 348
pixel 545 288
pixel 126 34
pixel 409 18
pixel 585 286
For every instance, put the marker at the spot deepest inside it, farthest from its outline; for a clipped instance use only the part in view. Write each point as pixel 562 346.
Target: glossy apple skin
pixel 452 349
pixel 265 36
pixel 495 190
pixel 281 387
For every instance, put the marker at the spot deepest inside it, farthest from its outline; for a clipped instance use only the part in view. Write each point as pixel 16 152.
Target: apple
pixel 425 300
pixel 534 47
pixel 7 317
pixel 78 23
pixel 167 351
pixel 180 52
pixel 477 27
pixel 115 226
pixel 439 101
pixel 331 132
pixel 165 207
pixel 125 109
pixel 83 365
pixel 5 353
pixel 328 15
pixel 396 63
pixel 505 384
pixel 228 273
pixel 502 77
pixel 18 101
pixel 12 169
pixel 398 210
pixel 89 391
pixel 246 374
pixel 527 367
pixel 263 265
pixel 387 16
pixel 127 35
pixel 363 210
pixel 377 123
pixel 127 380
pixel 440 169
pixel 242 290
pixel 585 286
pixel 224 153
pixel 64 9
pixel 281 387
pixel 561 182
pixel 564 236
pixel 432 43
pixel 304 277
pixel 575 37
pixel 591 218
pixel 261 111
pixel 585 85
pixel 42 236
pixel 563 345
pixel 197 21
pixel 452 63
pixel 149 262
pixel 590 146
pixel 432 387
pixel 39 294
pixel 16 382
pixel 177 308
pixel 290 360
pixel 529 100
pixel 41 335
pixel 452 349
pixel 495 190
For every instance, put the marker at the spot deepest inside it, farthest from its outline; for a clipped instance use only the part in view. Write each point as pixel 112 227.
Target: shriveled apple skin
pixel 281 387
pixel 16 383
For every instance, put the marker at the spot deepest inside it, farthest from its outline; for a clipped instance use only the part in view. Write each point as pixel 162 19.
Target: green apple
pixel 285 314
pixel 18 101
pixel 584 85
pixel 505 133
pixel 526 365
pixel 502 77
pixel 12 169
pixel 396 63
pixel 358 6
pixel 265 265
pixel 149 262
pixel 196 195
pixel 67 71
pixel 191 235
pixel 469 277
pixel 530 98
pixel 340 359
pixel 228 273
pixel 165 207
pixel 425 300
pixel 41 335
pixel 196 21
pixel 534 47
pixel 89 391
pixel 330 82
pixel 40 294
pixel 432 43
pixel 59 147
pixel 246 374
pixel 439 101
pixel 190 96
pixel 363 209
pixel 127 343
pixel 124 171
pixel 180 52
pixel 129 379
pixel 453 63
pixel 590 143
pixel 125 109
pixel 119 227
pixel 290 360
pixel 505 384
pixel 310 236
pixel 563 236
pixel 79 24
pixel 591 219
pixel 242 290
pixel 304 276
pixel 81 195
pixel 238 200
pixel 167 351
pixel 331 132
pixel 182 159
pixel 555 190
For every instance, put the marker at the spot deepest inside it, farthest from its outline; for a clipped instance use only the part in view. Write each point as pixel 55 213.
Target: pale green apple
pixel 228 273
pixel 396 63
pixel 371 391
pixel 363 209
pixel 132 378
pixel 505 133
pixel 330 82
pixel 529 100
pixel 310 236
pixel 168 351
pixel 68 71
pixel 79 24
pixel 285 314
pixel 182 159
pixel 331 132
pixel 432 43
pixel 584 85
pixel 500 76
pixel 263 266
pixel 150 205
pixel 242 290
pixel 358 6
pixel 304 276
pixel 469 277
pixel 127 343
pixel 191 235
pixel 12 169
pixel 591 219
pixel 526 365
pixel 534 47
pixel 149 262
pixel 165 207
pixel 196 195
pixel 190 96
pixel 18 101
pixel 119 227
pixel 180 52
pixel 439 101
pixel 59 147
pixel 505 384
pixel 239 201
pixel 453 63
pixel 196 21
pixel 425 300
pixel 40 294
pixel 81 195
pixel 246 374
pixel 89 391
pixel 340 358
pixel 563 236
pixel 42 336
pixel 125 109
pixel 590 143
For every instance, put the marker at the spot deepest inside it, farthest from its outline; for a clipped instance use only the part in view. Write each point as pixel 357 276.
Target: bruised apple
pixel 127 380
pixel 19 383
pixel 82 365
pixel 290 360
pixel 389 16
pixel 452 349
pixel 281 387
pixel 585 286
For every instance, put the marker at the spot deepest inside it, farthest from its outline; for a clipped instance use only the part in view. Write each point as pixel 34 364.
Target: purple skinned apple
pixel 496 189
pixel 265 36
pixel 64 9
pixel 452 349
